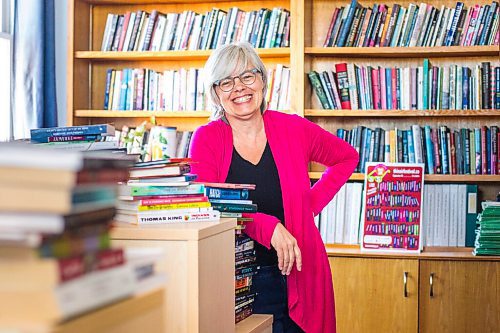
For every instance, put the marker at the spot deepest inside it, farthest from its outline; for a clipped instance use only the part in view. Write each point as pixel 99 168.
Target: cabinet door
pixel 465 296
pixel 370 294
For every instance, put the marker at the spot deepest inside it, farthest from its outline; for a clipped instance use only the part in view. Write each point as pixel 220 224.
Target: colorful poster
pixel 392 218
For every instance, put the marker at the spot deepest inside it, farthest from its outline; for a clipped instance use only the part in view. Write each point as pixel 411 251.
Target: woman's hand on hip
pixel 288 250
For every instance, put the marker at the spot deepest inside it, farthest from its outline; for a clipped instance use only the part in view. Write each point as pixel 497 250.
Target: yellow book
pixel 175 206
pixel 392 142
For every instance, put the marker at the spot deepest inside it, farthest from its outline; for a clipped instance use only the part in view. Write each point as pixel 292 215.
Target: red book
pixel 343 83
pixel 126 21
pixel 394 78
pixel 484 157
pixel 376 89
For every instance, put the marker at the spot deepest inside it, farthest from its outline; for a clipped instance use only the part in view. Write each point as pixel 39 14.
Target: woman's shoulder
pixel 211 128
pixel 285 117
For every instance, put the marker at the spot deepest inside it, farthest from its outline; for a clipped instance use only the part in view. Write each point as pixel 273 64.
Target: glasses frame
pixel 253 71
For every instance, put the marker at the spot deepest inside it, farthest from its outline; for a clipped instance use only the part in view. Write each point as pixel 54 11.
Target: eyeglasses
pixel 247 78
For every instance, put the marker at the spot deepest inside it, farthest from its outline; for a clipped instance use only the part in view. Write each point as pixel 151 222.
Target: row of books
pixel 177 90
pixel 408 88
pixel 233 200
pixel 56 207
pixel 415 25
pixel 162 192
pixel 155 31
pixel 487 238
pixel 80 138
pixel 448 217
pixel 154 142
pixel 442 150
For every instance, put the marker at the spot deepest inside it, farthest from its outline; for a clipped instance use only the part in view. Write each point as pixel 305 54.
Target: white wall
pixel 61 37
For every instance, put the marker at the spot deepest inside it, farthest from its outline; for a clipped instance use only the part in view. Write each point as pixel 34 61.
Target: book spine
pixel 162 217
pixel 343 83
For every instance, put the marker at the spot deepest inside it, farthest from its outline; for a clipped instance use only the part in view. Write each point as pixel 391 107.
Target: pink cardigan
pixel 294 142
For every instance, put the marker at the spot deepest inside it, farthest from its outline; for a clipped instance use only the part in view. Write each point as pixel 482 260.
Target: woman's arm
pixel 338 156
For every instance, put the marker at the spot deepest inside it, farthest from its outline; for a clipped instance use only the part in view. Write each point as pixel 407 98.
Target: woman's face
pixel 243 100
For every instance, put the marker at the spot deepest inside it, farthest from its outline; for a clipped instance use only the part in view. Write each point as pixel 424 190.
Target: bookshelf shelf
pixel 140 114
pixel 405 52
pixel 432 178
pixel 283 52
pixel 140 2
pixel 401 113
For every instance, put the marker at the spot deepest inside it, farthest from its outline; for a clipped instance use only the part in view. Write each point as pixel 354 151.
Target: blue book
pixel 466 150
pixel 109 73
pixel 388 80
pixel 366 148
pixel 425 85
pixel 456 16
pixel 411 146
pixel 344 32
pixel 123 89
pixel 429 149
pixel 487 24
pixel 225 193
pixel 103 129
pixel 465 88
pixel 361 150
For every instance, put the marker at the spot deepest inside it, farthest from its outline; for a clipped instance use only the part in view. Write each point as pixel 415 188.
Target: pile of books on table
pixel 55 212
pixel 232 200
pixel 82 138
pixel 162 192
pixel 488 233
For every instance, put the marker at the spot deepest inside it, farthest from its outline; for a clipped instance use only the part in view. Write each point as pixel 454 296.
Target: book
pixel 160 171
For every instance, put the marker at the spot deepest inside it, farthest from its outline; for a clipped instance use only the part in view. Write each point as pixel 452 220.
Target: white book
pixel 417 137
pixel 179 31
pixel 107 32
pixel 347 212
pixel 454 220
pixel 176 91
pixel 273 103
pixel 158 34
pixel 422 10
pixel 446 88
pixel 461 214
pixel 183 80
pixel 143 25
pixel 420 87
pixel 353 91
pixel 195 35
pixel 200 92
pixel 130 28
pixel 357 198
pixel 169 89
pixel 283 97
pixel 165 217
pixel 340 215
pixel 387 152
pixel 330 228
pixel 323 222
pixel 244 26
pixel 453 86
pixel 440 224
pixel 446 215
pixel 117 90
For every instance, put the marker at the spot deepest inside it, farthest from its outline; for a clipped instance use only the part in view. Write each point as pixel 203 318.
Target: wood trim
pixel 141 114
pixel 430 178
pixel 401 113
pixel 282 52
pixel 405 52
pixel 462 254
pixel 256 323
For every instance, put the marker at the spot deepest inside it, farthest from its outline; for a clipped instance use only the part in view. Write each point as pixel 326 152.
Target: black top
pixel 267 194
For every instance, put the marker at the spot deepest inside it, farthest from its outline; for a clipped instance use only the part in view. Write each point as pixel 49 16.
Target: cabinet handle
pixel 405 280
pixel 431 282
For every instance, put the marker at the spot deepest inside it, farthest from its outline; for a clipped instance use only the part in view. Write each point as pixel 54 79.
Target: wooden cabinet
pixel 370 292
pixel 459 296
pixel 375 295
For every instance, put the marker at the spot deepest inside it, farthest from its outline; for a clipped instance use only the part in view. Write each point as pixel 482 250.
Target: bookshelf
pixel 87 64
pixel 312 25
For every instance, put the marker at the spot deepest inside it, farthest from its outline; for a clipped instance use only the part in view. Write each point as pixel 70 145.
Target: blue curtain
pixel 34 80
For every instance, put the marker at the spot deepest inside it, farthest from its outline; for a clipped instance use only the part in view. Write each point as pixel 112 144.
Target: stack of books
pixel 82 138
pixel 162 192
pixel 55 255
pixel 232 200
pixel 488 234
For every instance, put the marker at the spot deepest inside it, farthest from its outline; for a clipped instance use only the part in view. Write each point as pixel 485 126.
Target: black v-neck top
pixel 267 194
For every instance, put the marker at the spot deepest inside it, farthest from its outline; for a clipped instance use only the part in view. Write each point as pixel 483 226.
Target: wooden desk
pixel 199 265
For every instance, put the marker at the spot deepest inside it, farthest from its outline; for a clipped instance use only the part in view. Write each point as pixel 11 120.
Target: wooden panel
pixel 466 296
pixel 369 294
pixel 175 266
pixel 216 283
pixel 256 323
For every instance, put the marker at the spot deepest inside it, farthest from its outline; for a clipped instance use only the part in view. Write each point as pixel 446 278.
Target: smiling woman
pixel 247 143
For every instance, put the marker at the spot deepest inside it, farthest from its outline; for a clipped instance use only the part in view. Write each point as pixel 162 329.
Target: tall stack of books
pixel 488 234
pixel 55 211
pixel 161 192
pixel 89 137
pixel 232 200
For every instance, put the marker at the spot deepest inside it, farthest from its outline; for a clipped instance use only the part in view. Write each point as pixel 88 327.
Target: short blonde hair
pixel 222 63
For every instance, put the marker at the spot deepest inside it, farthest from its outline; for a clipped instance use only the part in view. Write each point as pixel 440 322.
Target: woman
pixel 248 144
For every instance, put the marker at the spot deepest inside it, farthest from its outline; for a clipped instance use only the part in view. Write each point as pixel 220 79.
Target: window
pixel 5 70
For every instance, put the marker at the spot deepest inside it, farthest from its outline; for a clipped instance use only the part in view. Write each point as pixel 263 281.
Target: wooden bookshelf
pixel 87 64
pixel 405 52
pixel 401 113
